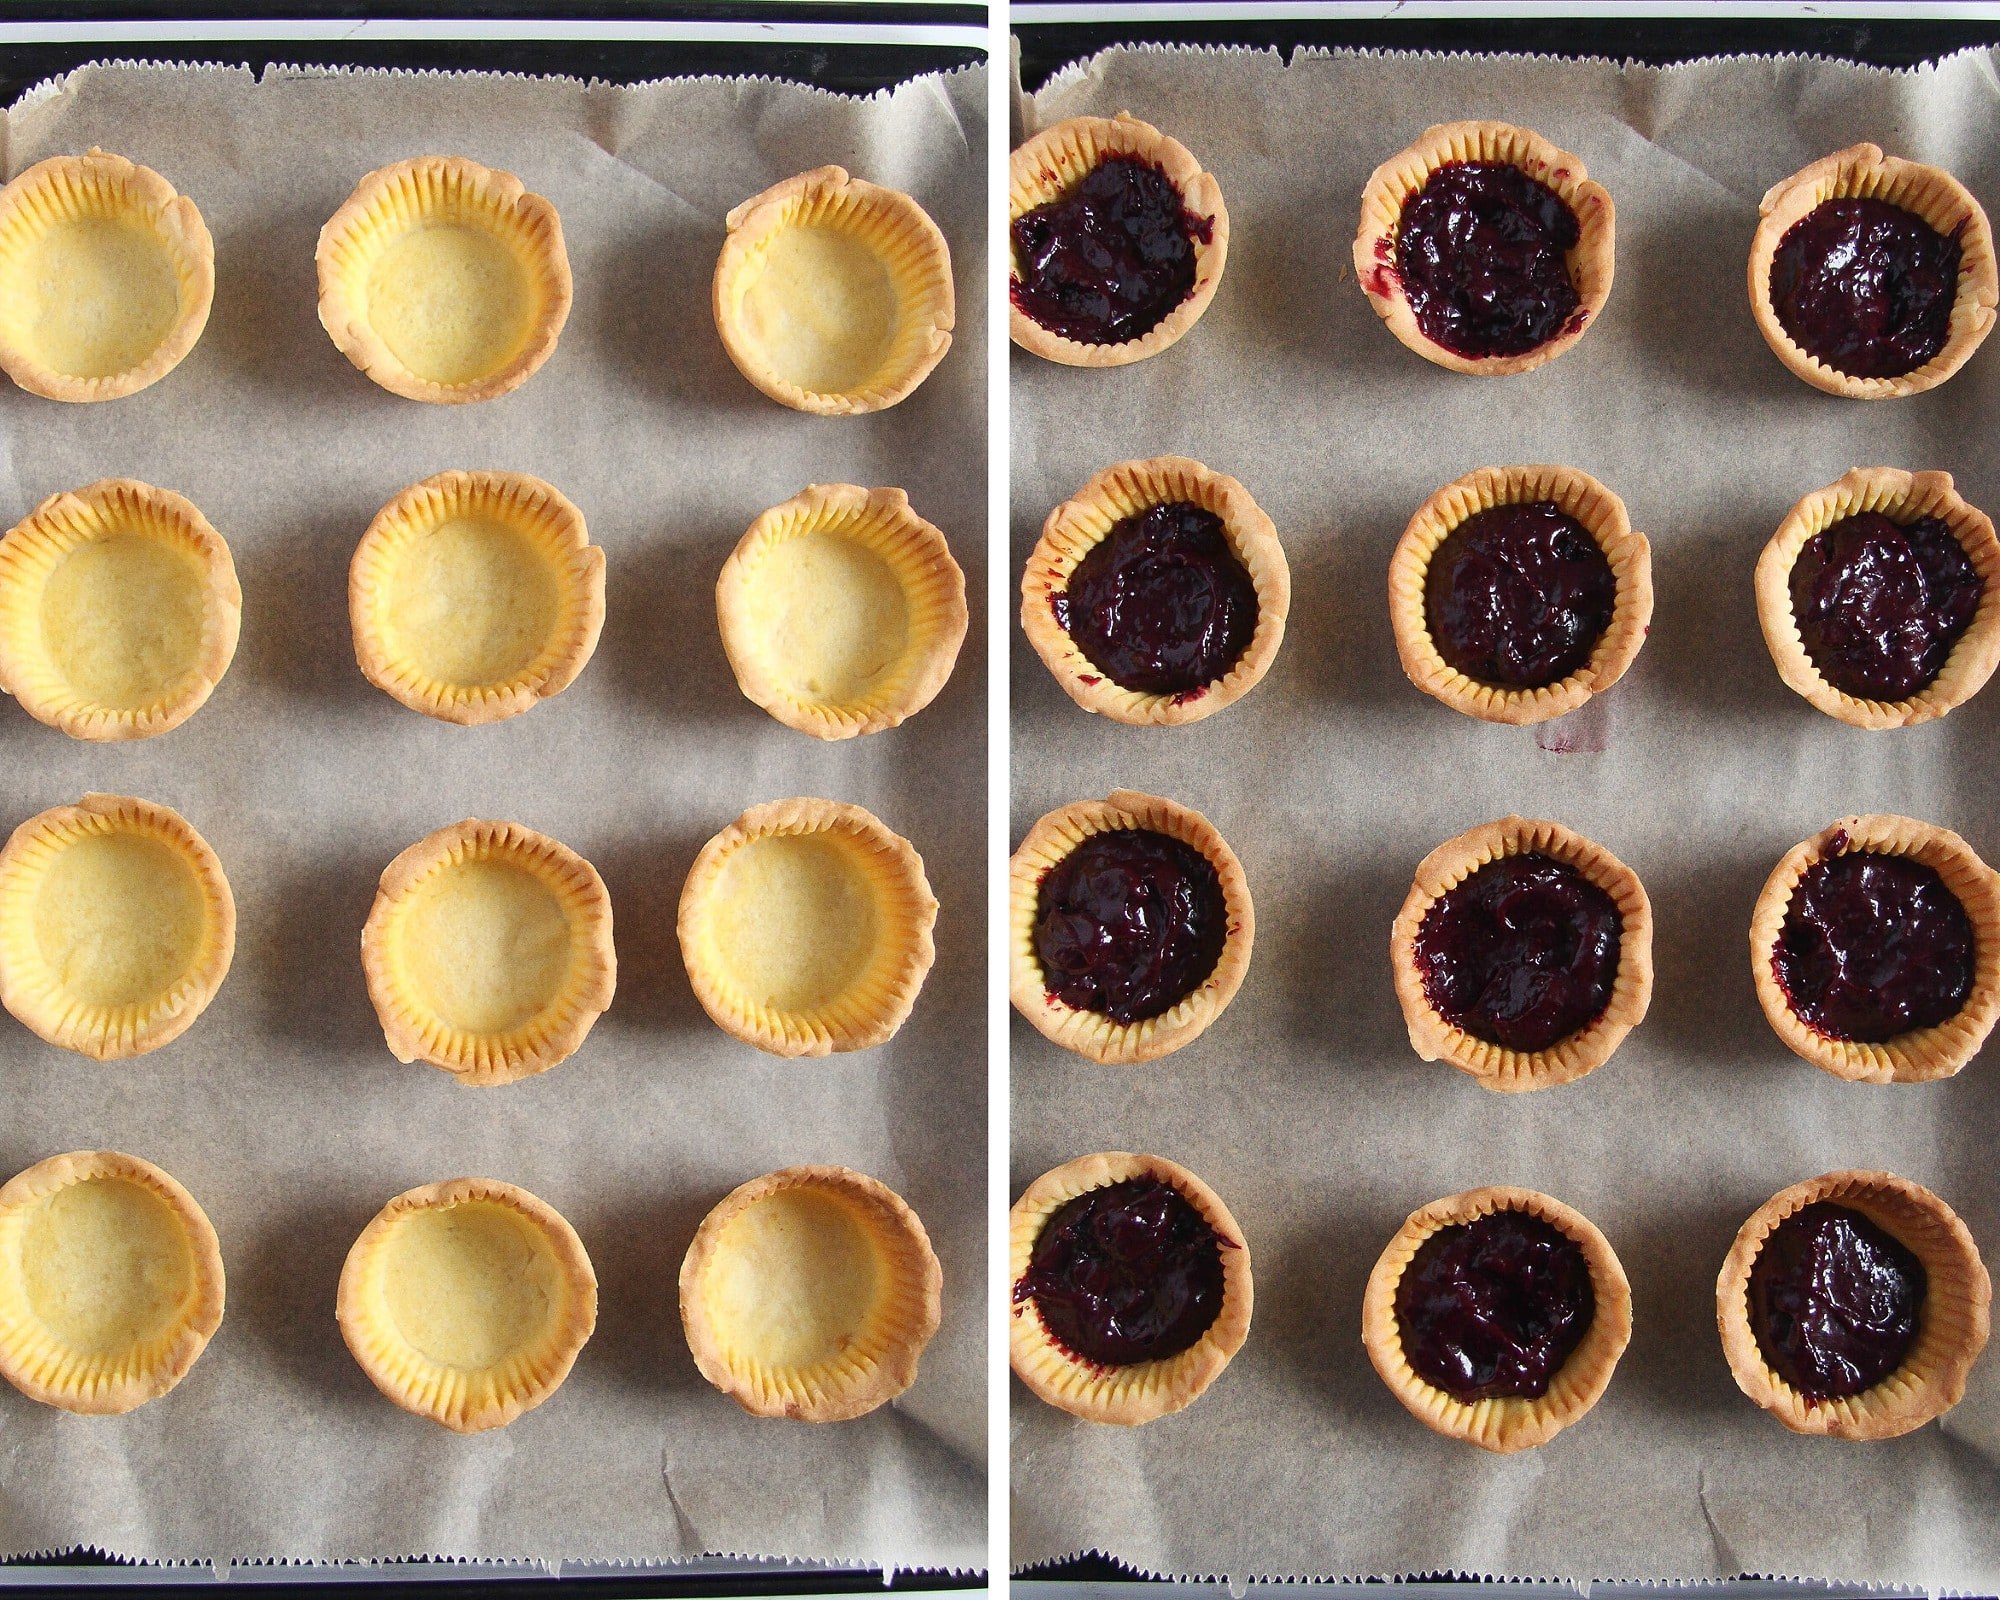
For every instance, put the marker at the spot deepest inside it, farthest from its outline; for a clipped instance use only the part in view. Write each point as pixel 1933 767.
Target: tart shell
pixel 1861 171
pixel 894 231
pixel 1902 497
pixel 1591 261
pixel 1081 522
pixel 550 527
pixel 1058 158
pixel 42 998
pixel 1601 513
pixel 821 1358
pixel 1088 1033
pixel 412 1023
pixel 468 1398
pixel 1951 1331
pixel 1512 1422
pixel 1923 1054
pixel 866 1004
pixel 1138 1393
pixel 35 1358
pixel 1495 1065
pixel 64 524
pixel 766 638
pixel 390 206
pixel 99 187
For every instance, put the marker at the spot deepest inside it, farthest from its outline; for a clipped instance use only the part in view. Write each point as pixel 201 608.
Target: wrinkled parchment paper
pixel 1304 1105
pixel 281 1110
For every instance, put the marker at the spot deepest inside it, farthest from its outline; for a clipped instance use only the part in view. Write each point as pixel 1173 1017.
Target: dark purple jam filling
pixel 1519 595
pixel 1834 1301
pixel 1110 260
pixel 1481 250
pixel 1129 923
pixel 1127 1273
pixel 1492 1308
pixel 1873 946
pixel 1523 953
pixel 1161 603
pixel 1865 287
pixel 1880 605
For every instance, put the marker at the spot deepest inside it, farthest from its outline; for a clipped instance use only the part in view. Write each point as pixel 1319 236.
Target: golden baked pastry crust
pixel 152 562
pixel 125 239
pixel 1089 1033
pixel 1511 1422
pixel 1495 1065
pixel 76 877
pixel 478 1357
pixel 1924 1054
pixel 1902 497
pixel 815 589
pixel 819 941
pixel 444 280
pixel 1075 527
pixel 1130 1395
pixel 1390 186
pixel 438 626
pixel 78 1343
pixel 1602 515
pixel 1862 171
pixel 1951 1329
pixel 456 920
pixel 819 1349
pixel 894 268
pixel 1058 158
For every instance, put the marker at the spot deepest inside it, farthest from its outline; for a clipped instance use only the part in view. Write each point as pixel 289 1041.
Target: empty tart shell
pixel 810 1293
pixel 1392 185
pixel 833 295
pixel 1902 497
pixel 1090 1033
pixel 475 596
pixel 1952 1328
pixel 119 611
pixel 1504 1423
pixel 1601 514
pixel 842 611
pixel 444 280
pixel 111 1282
pixel 1923 1054
pixel 116 926
pixel 1125 1395
pixel 1080 523
pixel 1054 162
pixel 1496 1066
pixel 106 275
pixel 1862 172
pixel 488 952
pixel 467 1302
pixel 805 926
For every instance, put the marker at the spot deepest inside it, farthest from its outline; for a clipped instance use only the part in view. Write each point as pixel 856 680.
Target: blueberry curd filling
pixel 1873 946
pixel 1880 605
pixel 1129 923
pixel 1110 260
pixel 1127 1273
pixel 1482 254
pixel 1834 1301
pixel 1492 1308
pixel 1866 287
pixel 1161 604
pixel 1523 953
pixel 1519 595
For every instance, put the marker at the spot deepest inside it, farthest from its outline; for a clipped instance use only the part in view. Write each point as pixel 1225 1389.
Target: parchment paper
pixel 281 1109
pixel 1304 1105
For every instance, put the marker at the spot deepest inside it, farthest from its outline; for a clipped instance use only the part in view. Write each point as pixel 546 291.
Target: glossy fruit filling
pixel 1880 604
pixel 1519 595
pixel 1834 1301
pixel 1866 287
